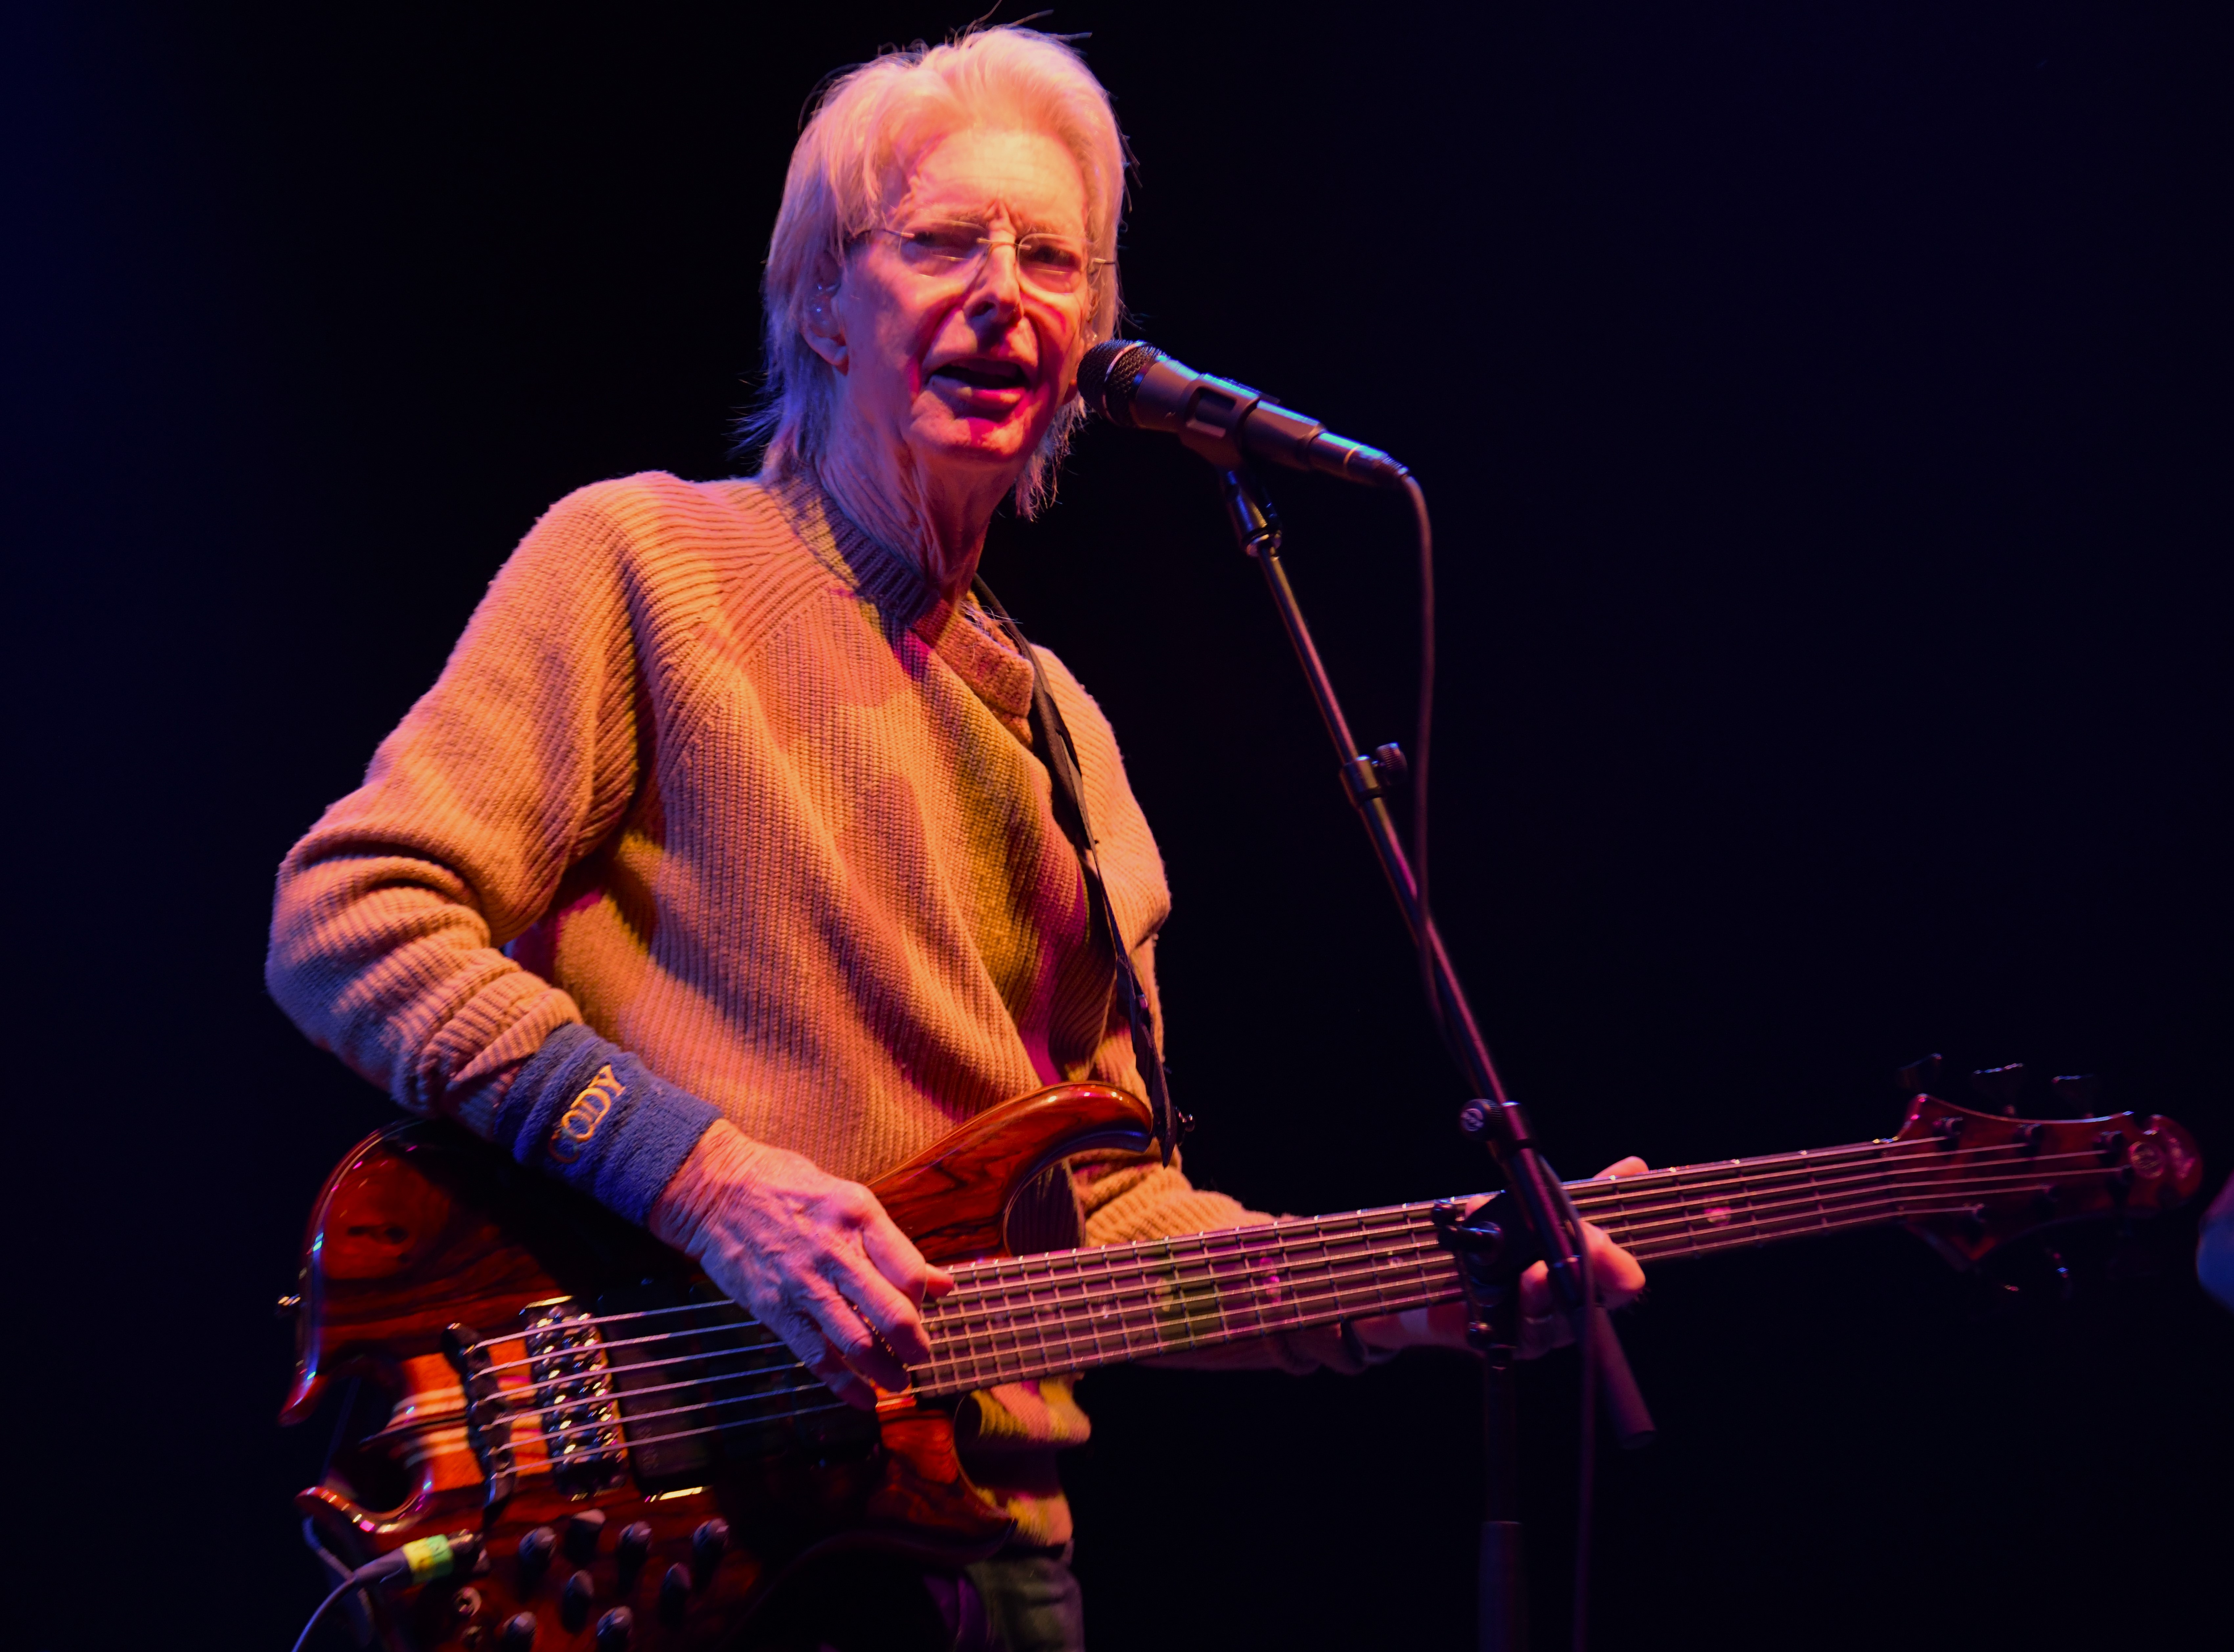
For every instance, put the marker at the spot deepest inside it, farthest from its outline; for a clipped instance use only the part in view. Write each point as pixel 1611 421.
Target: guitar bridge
pixel 571 1396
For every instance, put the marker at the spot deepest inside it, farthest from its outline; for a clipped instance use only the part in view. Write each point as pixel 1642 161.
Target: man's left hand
pixel 1543 1328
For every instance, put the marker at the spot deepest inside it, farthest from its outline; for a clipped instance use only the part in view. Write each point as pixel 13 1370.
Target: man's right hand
pixel 813 1259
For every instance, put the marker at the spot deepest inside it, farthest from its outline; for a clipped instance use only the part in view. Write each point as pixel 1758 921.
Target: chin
pixel 980 442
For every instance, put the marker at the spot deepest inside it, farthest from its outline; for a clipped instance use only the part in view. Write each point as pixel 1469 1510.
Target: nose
pixel 997 290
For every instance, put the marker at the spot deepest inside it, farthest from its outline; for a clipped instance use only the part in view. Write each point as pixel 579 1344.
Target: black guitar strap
pixel 1061 755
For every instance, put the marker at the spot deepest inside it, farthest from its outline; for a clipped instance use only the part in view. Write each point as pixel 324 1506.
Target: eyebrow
pixel 978 214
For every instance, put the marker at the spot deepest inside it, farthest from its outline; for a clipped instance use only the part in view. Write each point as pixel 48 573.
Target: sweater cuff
pixel 586 1111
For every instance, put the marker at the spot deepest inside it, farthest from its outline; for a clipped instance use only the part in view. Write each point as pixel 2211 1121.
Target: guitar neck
pixel 1071 1310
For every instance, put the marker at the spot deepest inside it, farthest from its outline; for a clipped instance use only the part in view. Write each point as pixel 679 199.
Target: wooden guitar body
pixel 425 1241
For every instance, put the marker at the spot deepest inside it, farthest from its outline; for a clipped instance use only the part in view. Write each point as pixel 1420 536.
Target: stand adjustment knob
pixel 582 1534
pixel 536 1549
pixel 616 1630
pixel 574 1601
pixel 518 1634
pixel 675 1595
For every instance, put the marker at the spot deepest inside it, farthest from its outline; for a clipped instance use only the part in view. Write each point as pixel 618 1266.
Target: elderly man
pixel 730 805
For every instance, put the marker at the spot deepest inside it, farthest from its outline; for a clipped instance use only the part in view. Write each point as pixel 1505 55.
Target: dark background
pixel 1822 408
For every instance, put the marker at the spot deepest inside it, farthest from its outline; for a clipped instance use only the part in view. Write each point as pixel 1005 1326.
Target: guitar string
pixel 1034 1275
pixel 1766 1218
pixel 621 1421
pixel 1623 1191
pixel 621 1424
pixel 955 1351
pixel 979 1349
pixel 1990 1183
pixel 1793 1214
pixel 797 1411
pixel 1750 1173
pixel 972 1273
pixel 1297 1311
pixel 1340 1281
pixel 1658 1182
pixel 1985 1186
pixel 1136 1245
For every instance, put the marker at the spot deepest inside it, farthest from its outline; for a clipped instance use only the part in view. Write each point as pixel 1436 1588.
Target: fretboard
pixel 1070 1311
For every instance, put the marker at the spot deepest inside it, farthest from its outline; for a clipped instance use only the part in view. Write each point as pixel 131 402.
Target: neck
pixel 934 520
pixel 1030 1316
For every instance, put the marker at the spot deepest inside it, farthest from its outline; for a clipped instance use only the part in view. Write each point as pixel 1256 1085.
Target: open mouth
pixel 984 376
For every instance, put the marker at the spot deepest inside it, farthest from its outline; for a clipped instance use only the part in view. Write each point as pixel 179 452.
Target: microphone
pixel 1138 386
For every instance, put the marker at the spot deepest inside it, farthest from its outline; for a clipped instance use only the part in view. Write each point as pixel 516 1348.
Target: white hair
pixel 863 130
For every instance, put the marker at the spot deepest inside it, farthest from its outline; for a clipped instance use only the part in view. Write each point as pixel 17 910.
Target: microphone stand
pixel 1536 1202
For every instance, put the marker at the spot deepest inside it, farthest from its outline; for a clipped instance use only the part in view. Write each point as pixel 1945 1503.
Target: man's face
pixel 967 359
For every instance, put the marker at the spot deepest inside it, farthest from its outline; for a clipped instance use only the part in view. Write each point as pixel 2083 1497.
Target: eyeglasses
pixel 1054 265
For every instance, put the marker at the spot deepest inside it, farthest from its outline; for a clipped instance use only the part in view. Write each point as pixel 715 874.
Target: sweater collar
pixel 902 600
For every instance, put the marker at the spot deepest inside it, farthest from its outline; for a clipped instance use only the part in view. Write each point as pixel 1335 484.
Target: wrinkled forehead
pixel 980 170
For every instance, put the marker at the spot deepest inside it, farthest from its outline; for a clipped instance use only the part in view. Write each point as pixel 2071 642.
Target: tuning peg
pixel 1918 1076
pixel 2077 1091
pixel 2000 1085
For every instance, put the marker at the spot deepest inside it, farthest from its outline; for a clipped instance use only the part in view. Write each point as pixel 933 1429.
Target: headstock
pixel 1989 1178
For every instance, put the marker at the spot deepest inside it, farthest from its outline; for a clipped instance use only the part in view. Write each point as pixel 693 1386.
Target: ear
pixel 824 333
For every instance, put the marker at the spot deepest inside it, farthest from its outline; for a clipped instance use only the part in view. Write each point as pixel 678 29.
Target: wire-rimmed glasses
pixel 1057 265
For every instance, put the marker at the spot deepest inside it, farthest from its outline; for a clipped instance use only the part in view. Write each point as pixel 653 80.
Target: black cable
pixel 1422 738
pixel 420 1561
pixel 340 1588
pixel 1586 1451
pixel 1422 744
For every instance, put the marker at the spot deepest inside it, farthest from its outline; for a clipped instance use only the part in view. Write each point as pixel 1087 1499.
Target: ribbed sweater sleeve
pixel 391 911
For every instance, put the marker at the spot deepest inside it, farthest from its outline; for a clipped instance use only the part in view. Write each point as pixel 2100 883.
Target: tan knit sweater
pixel 713 772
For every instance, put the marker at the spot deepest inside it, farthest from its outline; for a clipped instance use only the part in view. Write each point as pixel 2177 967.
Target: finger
pixel 803 1337
pixel 842 1381
pixel 1631 1165
pixel 851 1336
pixel 896 1258
pixel 871 1298
pixel 1617 1275
pixel 1536 1292
pixel 1443 1325
pixel 1543 1327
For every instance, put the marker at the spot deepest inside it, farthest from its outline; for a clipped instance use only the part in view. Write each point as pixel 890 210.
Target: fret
pixel 1814 1189
pixel 1375 1265
pixel 1893 1197
pixel 1335 1257
pixel 1326 1268
pixel 995 1360
pixel 1269 1279
pixel 1680 1181
pixel 1741 1203
pixel 1623 1193
pixel 1071 1323
pixel 1024 1355
pixel 1208 1286
pixel 1311 1273
pixel 1035 1325
pixel 1101 1325
pixel 1218 1253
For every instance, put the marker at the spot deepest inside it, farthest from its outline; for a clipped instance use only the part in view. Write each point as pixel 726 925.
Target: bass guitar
pixel 634 1461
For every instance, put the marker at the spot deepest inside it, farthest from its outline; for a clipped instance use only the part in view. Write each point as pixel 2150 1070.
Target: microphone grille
pixel 1110 373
